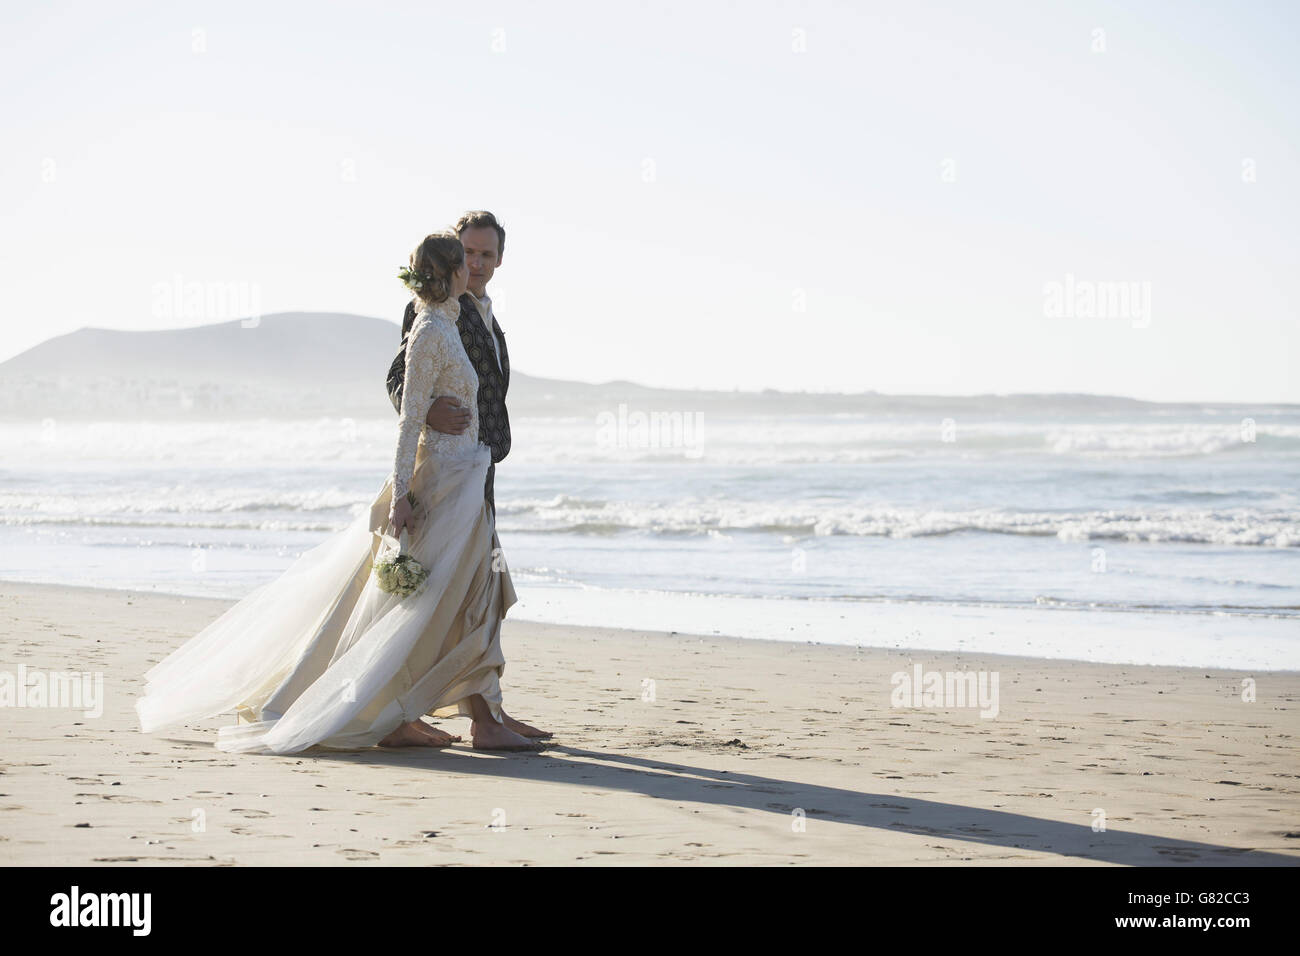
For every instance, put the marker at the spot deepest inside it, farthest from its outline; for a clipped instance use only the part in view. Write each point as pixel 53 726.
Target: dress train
pixel 322 657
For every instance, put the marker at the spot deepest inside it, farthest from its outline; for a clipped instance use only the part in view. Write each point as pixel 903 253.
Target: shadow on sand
pixel 664 780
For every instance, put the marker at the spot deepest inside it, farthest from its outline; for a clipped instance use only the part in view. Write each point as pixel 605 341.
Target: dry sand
pixel 751 752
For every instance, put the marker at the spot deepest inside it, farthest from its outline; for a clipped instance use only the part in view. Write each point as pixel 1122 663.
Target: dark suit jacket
pixel 493 421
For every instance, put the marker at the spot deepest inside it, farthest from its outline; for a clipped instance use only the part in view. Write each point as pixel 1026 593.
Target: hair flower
pixel 411 279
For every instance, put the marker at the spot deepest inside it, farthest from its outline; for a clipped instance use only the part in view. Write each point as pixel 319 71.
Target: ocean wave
pixel 578 514
pixel 145 521
pixel 1248 527
pixel 1212 494
pixel 1242 610
pixel 167 500
pixel 1163 441
pixel 747 440
pixel 822 440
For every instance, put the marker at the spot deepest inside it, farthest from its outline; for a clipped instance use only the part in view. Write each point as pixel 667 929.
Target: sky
pixel 897 197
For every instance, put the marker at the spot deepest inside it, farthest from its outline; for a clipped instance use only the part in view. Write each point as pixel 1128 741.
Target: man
pixel 484 240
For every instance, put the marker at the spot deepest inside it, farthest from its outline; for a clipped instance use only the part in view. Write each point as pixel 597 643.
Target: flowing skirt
pixel 322 657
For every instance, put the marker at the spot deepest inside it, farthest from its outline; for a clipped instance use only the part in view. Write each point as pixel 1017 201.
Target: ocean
pixel 1165 534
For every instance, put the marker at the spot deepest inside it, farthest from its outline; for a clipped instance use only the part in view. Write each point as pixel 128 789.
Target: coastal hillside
pixel 293 364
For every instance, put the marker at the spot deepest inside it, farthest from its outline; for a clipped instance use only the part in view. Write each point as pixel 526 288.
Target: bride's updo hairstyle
pixel 434 260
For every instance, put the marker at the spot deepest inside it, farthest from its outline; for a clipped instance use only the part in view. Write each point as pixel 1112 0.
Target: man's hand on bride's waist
pixel 447 415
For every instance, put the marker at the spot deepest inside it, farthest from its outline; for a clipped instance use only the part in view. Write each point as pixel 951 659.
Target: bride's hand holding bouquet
pixel 396 571
pixel 401 516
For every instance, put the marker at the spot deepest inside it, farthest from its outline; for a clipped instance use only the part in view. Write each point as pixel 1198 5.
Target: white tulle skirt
pixel 322 657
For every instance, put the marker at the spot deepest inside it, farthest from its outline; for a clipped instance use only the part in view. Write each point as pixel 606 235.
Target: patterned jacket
pixel 493 421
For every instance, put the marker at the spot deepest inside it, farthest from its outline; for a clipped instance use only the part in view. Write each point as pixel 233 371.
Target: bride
pixel 322 656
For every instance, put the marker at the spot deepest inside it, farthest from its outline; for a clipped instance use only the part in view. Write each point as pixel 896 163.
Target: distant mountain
pixel 298 344
pixel 334 365
pixel 291 363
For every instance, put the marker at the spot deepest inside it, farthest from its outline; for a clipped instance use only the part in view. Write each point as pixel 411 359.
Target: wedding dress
pixel 321 656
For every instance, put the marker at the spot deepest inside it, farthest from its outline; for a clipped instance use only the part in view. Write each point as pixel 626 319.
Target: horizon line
pixel 669 388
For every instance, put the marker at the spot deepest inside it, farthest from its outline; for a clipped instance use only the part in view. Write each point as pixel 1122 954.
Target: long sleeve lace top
pixel 436 364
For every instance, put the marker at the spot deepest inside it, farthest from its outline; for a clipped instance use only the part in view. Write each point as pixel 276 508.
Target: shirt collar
pixel 484 306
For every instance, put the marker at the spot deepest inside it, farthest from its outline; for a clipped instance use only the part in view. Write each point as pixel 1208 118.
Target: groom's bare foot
pixel 440 738
pixel 489 735
pixel 408 736
pixel 523 729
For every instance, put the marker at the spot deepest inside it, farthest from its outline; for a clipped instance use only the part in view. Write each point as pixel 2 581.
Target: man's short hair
pixel 481 218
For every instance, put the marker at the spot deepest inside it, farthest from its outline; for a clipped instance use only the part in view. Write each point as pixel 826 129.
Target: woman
pixel 322 656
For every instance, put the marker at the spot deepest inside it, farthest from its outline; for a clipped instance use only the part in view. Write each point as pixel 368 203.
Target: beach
pixel 669 748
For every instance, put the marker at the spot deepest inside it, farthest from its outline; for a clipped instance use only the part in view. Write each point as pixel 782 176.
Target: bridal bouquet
pixel 396 571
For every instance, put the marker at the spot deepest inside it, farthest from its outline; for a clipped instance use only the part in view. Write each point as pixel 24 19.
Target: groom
pixel 484 240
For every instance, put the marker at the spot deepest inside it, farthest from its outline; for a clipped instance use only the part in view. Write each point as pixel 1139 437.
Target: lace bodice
pixel 436 364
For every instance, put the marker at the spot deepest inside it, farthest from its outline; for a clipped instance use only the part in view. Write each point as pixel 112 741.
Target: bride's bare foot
pixel 489 735
pixel 523 729
pixel 407 735
pixel 440 738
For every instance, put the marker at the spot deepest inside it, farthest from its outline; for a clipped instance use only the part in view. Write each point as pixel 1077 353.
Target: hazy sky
pixel 796 195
